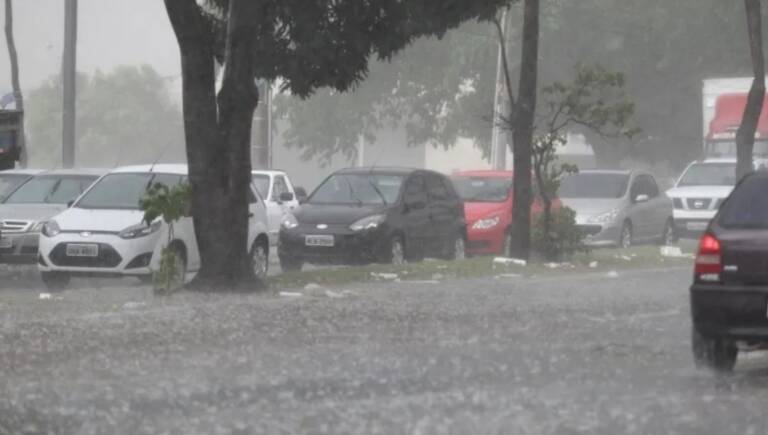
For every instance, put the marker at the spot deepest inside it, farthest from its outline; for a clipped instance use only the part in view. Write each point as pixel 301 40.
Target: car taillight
pixel 709 261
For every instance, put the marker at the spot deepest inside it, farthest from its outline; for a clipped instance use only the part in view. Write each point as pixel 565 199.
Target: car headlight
pixel 486 224
pixel 289 222
pixel 367 223
pixel 605 218
pixel 140 230
pixel 50 229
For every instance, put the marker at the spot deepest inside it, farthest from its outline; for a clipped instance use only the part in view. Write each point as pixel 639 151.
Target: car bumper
pixel 688 222
pixel 596 235
pixel 736 312
pixel 22 249
pixel 486 242
pixel 116 256
pixel 349 247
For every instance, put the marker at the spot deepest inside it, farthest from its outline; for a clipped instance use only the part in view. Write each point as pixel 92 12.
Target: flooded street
pixel 567 355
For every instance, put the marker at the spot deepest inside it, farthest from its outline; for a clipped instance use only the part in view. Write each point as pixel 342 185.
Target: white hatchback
pixel 103 234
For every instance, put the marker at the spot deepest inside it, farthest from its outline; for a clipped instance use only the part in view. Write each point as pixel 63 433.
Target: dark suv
pixel 365 215
pixel 729 296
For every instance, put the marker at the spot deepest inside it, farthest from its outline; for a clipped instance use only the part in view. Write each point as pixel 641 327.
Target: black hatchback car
pixel 729 296
pixel 366 215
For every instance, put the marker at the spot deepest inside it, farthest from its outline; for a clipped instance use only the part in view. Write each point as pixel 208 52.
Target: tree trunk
pixel 219 179
pixel 21 152
pixel 745 136
pixel 523 133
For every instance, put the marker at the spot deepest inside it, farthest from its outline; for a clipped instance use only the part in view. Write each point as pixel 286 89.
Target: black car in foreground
pixel 367 215
pixel 729 296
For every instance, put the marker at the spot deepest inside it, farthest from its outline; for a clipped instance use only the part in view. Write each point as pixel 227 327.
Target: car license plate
pixel 696 226
pixel 6 243
pixel 324 241
pixel 82 250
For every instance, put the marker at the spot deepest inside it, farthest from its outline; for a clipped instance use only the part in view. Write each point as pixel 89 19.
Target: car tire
pixel 716 354
pixel 260 260
pixel 625 237
pixel 55 281
pixel 288 264
pixel 458 249
pixel 668 236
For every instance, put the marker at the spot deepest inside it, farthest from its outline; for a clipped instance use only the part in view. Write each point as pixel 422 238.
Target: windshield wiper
pixel 352 194
pixel 378 191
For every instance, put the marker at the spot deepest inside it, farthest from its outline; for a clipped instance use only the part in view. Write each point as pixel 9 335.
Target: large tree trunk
pixel 17 95
pixel 523 132
pixel 218 146
pixel 745 136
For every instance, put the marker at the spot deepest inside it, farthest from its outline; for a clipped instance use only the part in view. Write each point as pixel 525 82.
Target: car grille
pixel 107 258
pixel 12 226
pixel 699 203
pixel 590 230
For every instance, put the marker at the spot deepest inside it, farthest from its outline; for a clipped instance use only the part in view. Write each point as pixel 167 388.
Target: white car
pixel 700 191
pixel 103 233
pixel 280 197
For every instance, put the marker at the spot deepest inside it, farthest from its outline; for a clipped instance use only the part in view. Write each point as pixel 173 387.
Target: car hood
pixel 334 214
pixel 80 219
pixel 700 192
pixel 480 210
pixel 592 206
pixel 30 212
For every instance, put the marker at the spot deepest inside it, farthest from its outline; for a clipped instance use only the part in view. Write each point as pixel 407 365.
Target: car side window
pixel 279 188
pixel 436 188
pixel 637 188
pixel 415 191
pixel 653 188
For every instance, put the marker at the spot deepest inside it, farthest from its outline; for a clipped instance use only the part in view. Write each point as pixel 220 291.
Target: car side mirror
pixel 642 198
pixel 286 197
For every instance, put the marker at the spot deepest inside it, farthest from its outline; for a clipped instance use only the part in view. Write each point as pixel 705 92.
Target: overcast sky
pixel 110 33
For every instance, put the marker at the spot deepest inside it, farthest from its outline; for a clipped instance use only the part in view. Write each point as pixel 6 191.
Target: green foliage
pixel 169 204
pixel 123 117
pixel 558 239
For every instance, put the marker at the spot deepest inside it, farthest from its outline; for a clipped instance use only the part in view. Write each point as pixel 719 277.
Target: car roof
pixel 380 170
pixel 75 171
pixel 608 171
pixel 268 172
pixel 484 173
pixel 717 160
pixel 29 172
pixel 161 168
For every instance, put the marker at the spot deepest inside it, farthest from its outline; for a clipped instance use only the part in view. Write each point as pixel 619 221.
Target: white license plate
pixel 82 250
pixel 6 243
pixel 324 241
pixel 696 226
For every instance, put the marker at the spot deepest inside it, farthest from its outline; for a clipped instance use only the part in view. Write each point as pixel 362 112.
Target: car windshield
pixel 482 189
pixel 262 184
pixel 709 174
pixel 358 189
pixel 123 191
pixel 50 190
pixel 748 205
pixel 9 182
pixel 594 185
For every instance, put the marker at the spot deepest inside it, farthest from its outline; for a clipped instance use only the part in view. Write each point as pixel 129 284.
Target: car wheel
pixel 288 264
pixel 713 353
pixel 668 237
pixel 625 239
pixel 458 249
pixel 55 281
pixel 396 255
pixel 260 260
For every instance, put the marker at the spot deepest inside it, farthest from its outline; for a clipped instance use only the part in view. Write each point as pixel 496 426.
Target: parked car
pixel 488 201
pixel 13 178
pixel 618 208
pixel 31 204
pixel 103 233
pixel 280 197
pixel 700 191
pixel 730 285
pixel 364 215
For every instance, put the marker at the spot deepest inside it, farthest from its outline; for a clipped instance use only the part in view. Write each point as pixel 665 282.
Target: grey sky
pixel 111 33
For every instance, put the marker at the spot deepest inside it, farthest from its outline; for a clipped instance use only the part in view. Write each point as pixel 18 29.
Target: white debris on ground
pixel 312 286
pixel 593 265
pixel 612 274
pixel 133 305
pixel 338 295
pixel 291 294
pixel 385 276
pixel 437 276
pixel 509 261
pixel 508 275
pixel 44 296
pixel 673 252
pixel 422 281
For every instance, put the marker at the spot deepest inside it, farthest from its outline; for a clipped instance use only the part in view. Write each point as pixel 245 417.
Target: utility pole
pixel 68 73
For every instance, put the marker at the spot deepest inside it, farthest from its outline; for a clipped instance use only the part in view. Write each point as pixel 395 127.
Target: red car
pixel 487 197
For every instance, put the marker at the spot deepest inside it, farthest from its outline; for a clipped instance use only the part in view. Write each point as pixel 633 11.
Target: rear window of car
pixel 747 207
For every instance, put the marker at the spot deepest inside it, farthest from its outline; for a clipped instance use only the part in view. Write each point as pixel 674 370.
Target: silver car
pixel 618 208
pixel 38 199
